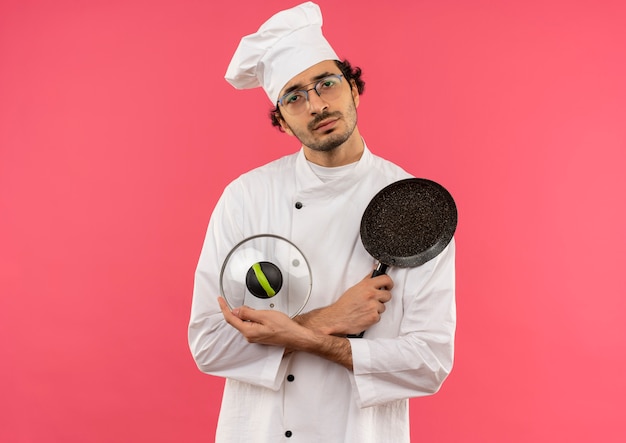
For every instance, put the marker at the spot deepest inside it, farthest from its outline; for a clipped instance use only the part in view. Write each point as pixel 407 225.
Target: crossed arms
pixel 321 331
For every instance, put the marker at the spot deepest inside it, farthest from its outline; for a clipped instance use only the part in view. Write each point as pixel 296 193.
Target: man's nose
pixel 316 103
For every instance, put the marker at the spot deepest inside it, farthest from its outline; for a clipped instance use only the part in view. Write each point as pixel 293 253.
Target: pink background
pixel 118 133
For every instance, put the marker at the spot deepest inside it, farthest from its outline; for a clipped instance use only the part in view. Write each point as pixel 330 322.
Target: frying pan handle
pixel 380 270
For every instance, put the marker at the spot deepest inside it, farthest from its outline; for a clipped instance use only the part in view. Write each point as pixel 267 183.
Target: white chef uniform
pixel 302 397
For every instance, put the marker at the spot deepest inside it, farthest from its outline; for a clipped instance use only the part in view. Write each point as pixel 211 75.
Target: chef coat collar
pixel 308 181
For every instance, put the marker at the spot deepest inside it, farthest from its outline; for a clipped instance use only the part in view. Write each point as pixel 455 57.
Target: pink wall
pixel 118 132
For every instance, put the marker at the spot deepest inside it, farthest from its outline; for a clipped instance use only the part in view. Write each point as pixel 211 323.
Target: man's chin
pixel 330 141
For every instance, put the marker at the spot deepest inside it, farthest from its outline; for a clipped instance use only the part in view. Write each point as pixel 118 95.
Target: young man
pixel 304 379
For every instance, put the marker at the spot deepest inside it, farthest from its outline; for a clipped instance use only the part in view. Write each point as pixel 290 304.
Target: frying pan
pixel 407 224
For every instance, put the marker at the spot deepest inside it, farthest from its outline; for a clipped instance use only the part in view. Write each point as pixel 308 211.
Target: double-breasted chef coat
pixel 301 397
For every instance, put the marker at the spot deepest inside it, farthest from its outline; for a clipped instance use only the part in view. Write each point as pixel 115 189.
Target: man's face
pixel 325 124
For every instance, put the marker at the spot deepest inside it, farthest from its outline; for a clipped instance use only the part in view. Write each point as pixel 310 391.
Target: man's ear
pixel 284 126
pixel 355 93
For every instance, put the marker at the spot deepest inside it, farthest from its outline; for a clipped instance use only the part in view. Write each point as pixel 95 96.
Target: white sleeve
pixel 418 360
pixel 218 348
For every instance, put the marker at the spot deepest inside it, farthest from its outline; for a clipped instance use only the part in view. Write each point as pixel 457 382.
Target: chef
pixel 305 379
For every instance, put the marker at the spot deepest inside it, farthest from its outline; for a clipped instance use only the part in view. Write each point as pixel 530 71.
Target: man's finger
pixel 228 315
pixel 223 305
pixel 247 313
pixel 385 296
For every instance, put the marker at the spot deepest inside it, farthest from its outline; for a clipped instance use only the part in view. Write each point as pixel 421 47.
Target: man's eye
pixel 329 83
pixel 293 98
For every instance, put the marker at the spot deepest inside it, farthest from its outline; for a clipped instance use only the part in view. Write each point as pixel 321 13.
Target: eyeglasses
pixel 295 102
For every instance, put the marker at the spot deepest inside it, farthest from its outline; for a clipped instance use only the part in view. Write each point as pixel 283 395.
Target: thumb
pixel 243 312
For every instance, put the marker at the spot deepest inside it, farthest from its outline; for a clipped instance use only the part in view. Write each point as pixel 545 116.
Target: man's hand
pixel 277 329
pixel 357 309
pixel 263 326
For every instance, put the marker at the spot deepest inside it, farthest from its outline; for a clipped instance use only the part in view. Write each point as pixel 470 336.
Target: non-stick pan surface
pixel 409 222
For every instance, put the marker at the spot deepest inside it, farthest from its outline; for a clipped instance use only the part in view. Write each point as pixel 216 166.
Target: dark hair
pixel 349 73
